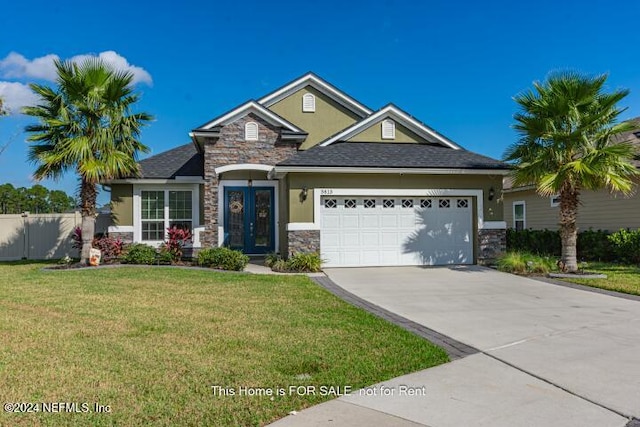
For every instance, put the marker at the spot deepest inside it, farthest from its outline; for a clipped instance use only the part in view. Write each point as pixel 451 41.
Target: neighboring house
pixel 599 210
pixel 309 168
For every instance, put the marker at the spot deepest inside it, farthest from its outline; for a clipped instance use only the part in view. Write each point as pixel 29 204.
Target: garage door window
pixel 444 203
pixel 407 203
pixel 388 203
pixel 330 203
pixel 463 203
pixel 350 203
pixel 425 203
pixel 369 203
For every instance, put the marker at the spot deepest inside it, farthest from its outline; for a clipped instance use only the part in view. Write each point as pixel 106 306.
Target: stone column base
pixel 303 241
pixel 491 244
pixel 125 237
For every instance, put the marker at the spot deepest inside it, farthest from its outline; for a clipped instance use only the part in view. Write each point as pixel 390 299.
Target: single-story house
pixel 309 168
pixel 599 210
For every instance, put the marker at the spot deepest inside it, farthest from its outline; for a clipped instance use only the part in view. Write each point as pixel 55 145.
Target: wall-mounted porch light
pixel 303 193
pixel 492 194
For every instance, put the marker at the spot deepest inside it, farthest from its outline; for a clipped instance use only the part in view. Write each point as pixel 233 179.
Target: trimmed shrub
pixel 309 262
pixel 591 245
pixel 626 245
pixel 542 242
pixel 139 253
pixel 223 258
pixel 594 245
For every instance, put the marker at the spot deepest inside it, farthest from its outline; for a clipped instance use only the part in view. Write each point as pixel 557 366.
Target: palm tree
pixel 569 142
pixel 86 124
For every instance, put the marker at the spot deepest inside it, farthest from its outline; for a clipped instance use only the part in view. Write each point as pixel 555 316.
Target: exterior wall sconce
pixel 492 194
pixel 303 193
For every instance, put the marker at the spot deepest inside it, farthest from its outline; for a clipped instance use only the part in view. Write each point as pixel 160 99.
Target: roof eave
pixel 284 169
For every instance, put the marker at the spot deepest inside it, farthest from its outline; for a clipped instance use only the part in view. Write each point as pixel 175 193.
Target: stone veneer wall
pixel 231 148
pixel 491 244
pixel 303 241
pixel 126 237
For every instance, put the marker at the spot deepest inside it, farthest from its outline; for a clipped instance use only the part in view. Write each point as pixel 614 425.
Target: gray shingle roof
pixel 180 161
pixel 391 155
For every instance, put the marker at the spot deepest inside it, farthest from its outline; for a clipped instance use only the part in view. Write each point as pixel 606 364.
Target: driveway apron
pixel 548 355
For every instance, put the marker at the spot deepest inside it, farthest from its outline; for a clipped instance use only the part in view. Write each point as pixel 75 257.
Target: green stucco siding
pixel 122 204
pixel 374 134
pixel 283 216
pixel 302 210
pixel 328 119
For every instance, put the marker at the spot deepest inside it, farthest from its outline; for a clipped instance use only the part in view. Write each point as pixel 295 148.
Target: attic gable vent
pixel 308 103
pixel 388 129
pixel 251 131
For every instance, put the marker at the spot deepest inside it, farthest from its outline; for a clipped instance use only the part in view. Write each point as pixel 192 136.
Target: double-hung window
pixel 161 209
pixel 519 216
pixel 152 215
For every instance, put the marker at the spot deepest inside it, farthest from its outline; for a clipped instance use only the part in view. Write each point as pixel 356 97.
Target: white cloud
pixel 16 66
pixel 16 95
pixel 140 75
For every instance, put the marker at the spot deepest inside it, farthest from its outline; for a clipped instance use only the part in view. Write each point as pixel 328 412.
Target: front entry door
pixel 249 219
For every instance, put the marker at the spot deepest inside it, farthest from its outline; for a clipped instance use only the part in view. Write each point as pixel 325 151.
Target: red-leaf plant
pixel 176 239
pixel 110 247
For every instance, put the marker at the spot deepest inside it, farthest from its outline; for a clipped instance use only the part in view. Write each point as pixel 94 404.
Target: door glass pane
pixel 235 209
pixel 262 220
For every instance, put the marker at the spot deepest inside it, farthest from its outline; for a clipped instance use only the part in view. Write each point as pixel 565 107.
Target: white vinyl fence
pixel 37 236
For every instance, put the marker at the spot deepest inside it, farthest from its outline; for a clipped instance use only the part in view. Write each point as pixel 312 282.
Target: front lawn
pixel 151 342
pixel 620 278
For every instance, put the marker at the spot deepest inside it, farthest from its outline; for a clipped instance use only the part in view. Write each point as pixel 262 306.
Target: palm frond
pixel 86 123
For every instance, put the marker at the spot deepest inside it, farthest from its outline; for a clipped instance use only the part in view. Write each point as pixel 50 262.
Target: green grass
pixel 150 343
pixel 620 278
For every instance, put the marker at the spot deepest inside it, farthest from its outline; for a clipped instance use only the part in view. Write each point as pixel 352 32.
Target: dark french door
pixel 249 219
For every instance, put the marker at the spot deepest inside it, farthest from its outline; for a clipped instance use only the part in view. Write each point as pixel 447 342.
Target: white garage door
pixel 377 231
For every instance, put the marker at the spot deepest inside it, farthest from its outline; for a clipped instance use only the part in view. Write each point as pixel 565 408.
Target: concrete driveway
pixel 549 355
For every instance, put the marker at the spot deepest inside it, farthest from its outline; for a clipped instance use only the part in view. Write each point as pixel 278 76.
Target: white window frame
pixel 247 135
pixel 554 200
pixel 524 214
pixel 137 210
pixel 308 103
pixel 388 127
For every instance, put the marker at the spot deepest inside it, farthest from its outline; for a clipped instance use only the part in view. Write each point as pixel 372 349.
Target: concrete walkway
pixel 548 355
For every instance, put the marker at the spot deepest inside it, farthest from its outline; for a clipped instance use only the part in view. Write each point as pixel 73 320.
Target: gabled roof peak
pixel 393 112
pixel 313 80
pixel 250 106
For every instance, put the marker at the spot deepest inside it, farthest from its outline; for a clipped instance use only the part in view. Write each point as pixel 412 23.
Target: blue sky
pixel 454 65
